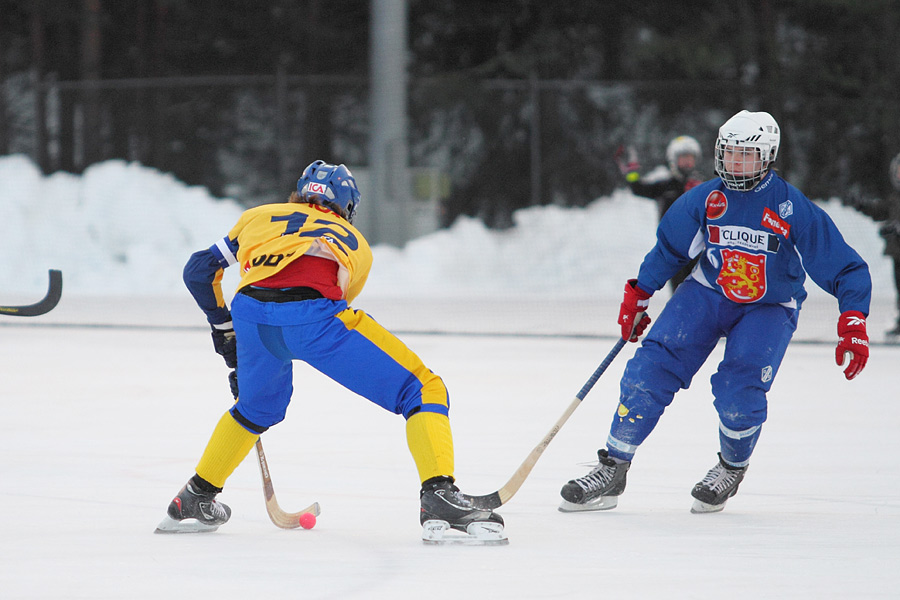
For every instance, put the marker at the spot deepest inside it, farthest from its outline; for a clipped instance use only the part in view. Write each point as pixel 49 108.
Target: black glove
pixel 225 343
pixel 232 381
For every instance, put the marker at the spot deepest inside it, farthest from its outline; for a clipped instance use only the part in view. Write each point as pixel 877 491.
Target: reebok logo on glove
pixel 853 342
pixel 635 303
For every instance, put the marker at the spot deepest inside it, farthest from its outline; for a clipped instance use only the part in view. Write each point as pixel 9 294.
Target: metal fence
pixel 489 146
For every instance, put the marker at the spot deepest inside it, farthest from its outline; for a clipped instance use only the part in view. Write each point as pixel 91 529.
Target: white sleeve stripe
pixel 227 254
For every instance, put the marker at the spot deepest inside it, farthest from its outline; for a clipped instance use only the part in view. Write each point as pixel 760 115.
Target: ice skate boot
pixel 599 489
pixel 194 511
pixel 720 484
pixel 445 508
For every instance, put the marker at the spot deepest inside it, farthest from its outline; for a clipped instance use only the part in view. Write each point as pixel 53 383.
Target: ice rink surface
pixel 103 424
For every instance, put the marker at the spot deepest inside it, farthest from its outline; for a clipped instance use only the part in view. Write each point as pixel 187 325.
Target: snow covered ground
pixel 109 400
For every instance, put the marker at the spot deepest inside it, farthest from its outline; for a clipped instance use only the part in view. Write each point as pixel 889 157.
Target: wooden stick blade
pixel 277 515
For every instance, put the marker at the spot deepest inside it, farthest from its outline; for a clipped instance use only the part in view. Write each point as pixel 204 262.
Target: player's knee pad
pixel 440 409
pixel 246 423
pixel 431 397
pixel 258 412
pixel 742 409
pixel 647 388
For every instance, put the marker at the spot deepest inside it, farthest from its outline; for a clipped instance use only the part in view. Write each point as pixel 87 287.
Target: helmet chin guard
pixel 745 149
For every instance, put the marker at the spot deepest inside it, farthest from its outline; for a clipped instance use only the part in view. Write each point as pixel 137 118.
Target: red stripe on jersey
pixel 307 271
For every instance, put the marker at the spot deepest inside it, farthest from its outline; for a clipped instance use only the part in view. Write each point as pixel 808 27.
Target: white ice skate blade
pixel 700 508
pixel 170 525
pixel 439 533
pixel 601 503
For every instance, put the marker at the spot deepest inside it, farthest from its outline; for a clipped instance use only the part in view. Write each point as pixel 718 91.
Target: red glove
pixel 853 340
pixel 627 161
pixel 634 307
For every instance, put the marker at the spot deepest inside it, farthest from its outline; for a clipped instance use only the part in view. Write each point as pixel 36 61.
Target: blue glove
pixel 225 343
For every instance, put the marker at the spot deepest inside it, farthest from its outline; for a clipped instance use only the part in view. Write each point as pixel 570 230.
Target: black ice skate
pixel 445 508
pixel 720 484
pixel 194 511
pixel 599 489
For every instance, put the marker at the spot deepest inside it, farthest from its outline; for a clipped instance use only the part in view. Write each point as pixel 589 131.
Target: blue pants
pixel 680 341
pixel 345 344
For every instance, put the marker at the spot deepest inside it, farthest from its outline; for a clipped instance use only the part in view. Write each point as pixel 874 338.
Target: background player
pixel 754 235
pixel 301 263
pixel 666 183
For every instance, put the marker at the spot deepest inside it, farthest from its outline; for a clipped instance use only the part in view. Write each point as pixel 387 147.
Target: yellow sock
pixel 431 444
pixel 229 445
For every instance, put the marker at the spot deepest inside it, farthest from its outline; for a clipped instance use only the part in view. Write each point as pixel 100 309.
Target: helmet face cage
pixel 332 186
pixel 748 156
pixel 747 145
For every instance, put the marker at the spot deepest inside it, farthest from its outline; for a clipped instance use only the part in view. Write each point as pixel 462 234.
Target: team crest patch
pixel 785 209
pixel 716 204
pixel 766 374
pixel 742 276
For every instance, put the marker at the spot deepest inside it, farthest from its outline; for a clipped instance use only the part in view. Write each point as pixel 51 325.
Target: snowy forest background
pixel 511 104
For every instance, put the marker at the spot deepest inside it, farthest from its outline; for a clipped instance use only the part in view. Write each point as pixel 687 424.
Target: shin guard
pixel 229 445
pixel 431 444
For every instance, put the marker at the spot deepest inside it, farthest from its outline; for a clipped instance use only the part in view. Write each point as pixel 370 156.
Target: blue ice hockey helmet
pixel 332 186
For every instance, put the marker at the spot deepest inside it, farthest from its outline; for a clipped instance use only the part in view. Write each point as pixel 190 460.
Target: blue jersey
pixel 757 246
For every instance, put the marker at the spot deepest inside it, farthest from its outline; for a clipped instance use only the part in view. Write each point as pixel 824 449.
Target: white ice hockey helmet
pixel 683 144
pixel 757 130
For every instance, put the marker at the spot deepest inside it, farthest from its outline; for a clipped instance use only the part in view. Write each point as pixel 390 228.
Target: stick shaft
pixel 505 493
